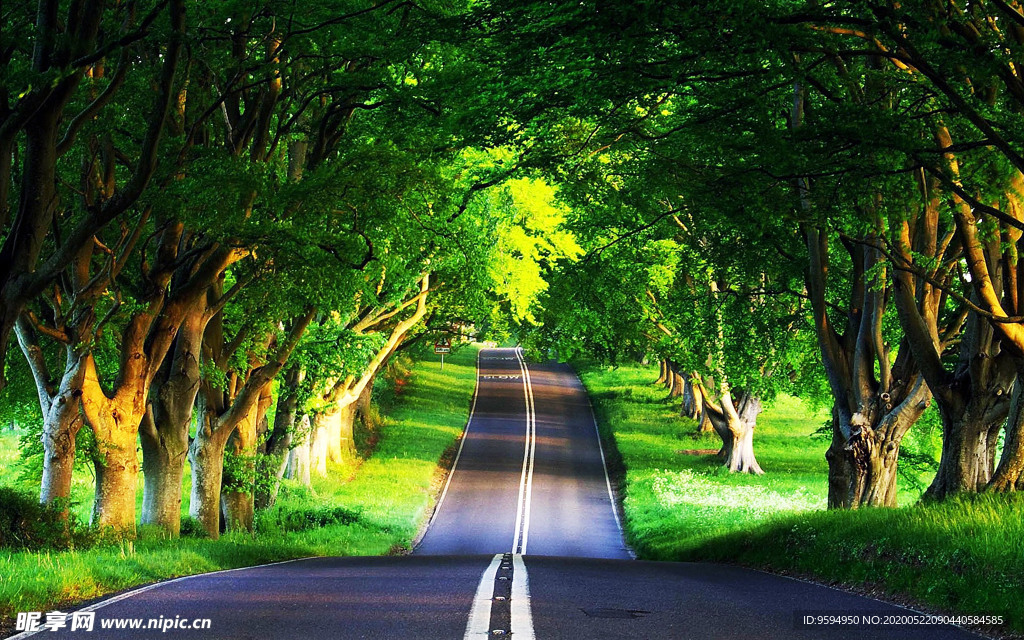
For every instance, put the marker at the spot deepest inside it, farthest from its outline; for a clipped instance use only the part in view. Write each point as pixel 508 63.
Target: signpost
pixel 442 347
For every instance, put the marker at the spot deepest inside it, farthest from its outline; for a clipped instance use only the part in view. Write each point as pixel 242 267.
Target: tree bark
pixel 662 371
pixel 61 425
pixel 163 471
pixel 206 455
pixel 875 401
pixel 974 398
pixel 279 442
pixel 165 429
pixel 336 424
pixel 299 462
pixel 62 417
pixel 319 447
pixel 973 409
pixel 222 416
pixel 1009 475
pixel 238 488
pixel 734 423
pixel 364 405
pixel 678 384
pixel 693 405
pixel 117 471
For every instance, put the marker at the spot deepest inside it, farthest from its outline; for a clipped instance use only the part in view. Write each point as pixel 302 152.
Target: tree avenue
pixel 222 221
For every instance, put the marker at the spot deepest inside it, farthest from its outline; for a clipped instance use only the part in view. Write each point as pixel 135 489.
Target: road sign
pixel 442 347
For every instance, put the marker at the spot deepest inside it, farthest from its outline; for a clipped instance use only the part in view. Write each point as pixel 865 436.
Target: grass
pixel 373 507
pixel 964 556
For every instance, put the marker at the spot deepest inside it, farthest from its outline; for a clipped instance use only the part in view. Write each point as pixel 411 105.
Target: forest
pixel 222 222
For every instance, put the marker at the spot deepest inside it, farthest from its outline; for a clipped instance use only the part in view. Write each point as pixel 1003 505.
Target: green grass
pixel 374 507
pixel 964 556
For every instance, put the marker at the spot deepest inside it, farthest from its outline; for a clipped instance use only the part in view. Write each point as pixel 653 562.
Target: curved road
pixel 524 541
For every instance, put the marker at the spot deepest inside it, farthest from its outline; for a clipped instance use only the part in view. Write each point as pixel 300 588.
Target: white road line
pixel 462 443
pixel 522 522
pixel 604 464
pixel 527 507
pixel 522 615
pixel 526 458
pixel 479 624
pixel 149 587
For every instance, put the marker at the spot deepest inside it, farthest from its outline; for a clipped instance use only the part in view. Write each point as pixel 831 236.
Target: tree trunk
pixel 677 384
pixel 968 445
pixel 346 418
pixel 163 469
pixel 662 371
pixel 275 464
pixel 973 406
pixel 237 496
pixel 1009 476
pixel 62 417
pixel 865 450
pixel 364 407
pixel 840 467
pixel 164 433
pixel 206 455
pixel 318 447
pixel 239 510
pixel 61 424
pixel 273 467
pixel 693 406
pixel 117 473
pixel 734 423
pixel 672 382
pixel 740 457
pixel 299 460
pixel 336 425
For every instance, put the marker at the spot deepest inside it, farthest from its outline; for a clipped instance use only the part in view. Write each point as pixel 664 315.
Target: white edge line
pixel 462 443
pixel 527 506
pixel 522 616
pixel 149 587
pixel 479 623
pixel 604 464
pixel 526 458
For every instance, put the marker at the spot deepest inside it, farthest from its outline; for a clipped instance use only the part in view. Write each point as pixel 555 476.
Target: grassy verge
pixel 374 507
pixel 964 556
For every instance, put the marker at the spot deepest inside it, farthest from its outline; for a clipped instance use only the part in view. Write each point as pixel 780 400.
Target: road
pixel 525 541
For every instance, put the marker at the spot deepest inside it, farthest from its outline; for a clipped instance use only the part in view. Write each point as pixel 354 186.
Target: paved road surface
pixel 525 541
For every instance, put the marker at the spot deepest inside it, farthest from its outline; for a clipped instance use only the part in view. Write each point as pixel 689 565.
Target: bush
pixel 27 524
pixel 192 528
pixel 312 518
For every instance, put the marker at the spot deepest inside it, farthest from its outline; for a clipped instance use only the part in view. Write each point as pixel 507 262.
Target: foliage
pixel 27 525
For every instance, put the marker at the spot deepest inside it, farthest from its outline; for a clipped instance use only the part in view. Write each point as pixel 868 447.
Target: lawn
pixel 965 556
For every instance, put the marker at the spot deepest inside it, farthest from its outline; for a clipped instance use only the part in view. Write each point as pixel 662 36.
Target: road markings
pixel 521 622
pixel 522 615
pixel 522 526
pixel 462 443
pixel 479 624
pixel 604 464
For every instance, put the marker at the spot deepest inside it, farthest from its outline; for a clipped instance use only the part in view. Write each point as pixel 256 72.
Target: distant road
pixel 525 541
pixel 530 477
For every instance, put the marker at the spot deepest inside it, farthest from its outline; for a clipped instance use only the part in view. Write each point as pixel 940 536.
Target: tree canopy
pixel 210 209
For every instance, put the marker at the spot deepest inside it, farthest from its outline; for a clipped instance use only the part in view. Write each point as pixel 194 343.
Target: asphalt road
pixel 525 541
